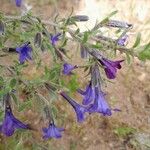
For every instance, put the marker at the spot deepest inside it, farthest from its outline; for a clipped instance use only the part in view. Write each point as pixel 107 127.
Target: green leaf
pixel 1 115
pixel 1 80
pixel 73 84
pixel 145 54
pixel 85 37
pixel 14 98
pixel 24 105
pixel 128 58
pixel 96 46
pixel 5 91
pixel 13 83
pixel 137 41
pixel 112 13
pixel 64 43
pixel 77 31
pixel 105 20
pixel 124 131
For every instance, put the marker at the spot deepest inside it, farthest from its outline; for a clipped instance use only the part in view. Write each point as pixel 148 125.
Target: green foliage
pixel 85 37
pixel 43 91
pixel 124 131
pixel 73 84
pixel 137 41
pixel 25 105
pixel 13 83
pixel 145 54
pixel 105 20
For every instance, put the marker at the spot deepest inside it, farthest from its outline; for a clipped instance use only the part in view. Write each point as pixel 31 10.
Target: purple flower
pixel 88 94
pixel 52 132
pixel 10 123
pixel 80 110
pixel 24 52
pixel 67 68
pixel 55 38
pixel 122 40
pixel 110 67
pixel 100 105
pixel 18 3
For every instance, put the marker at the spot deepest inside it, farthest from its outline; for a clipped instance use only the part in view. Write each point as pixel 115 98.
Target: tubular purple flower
pixel 122 40
pixel 55 38
pixel 80 110
pixel 24 52
pixel 67 68
pixel 100 105
pixel 18 3
pixel 110 67
pixel 10 123
pixel 52 132
pixel 88 94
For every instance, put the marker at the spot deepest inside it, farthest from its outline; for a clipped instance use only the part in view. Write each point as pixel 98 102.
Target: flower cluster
pixel 11 123
pixel 93 97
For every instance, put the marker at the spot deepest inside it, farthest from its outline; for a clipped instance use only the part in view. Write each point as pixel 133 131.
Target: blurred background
pixel 127 130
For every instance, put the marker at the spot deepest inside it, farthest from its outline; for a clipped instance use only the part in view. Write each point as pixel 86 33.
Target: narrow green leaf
pixel 13 83
pixel 128 58
pixel 145 54
pixel 112 13
pixel 137 41
pixel 105 20
pixel 77 31
pixel 73 84
pixel 1 80
pixel 96 46
pixel 14 98
pixel 5 91
pixel 85 37
pixel 64 43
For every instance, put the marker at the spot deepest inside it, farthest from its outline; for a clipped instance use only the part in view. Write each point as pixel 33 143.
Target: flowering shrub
pixel 30 37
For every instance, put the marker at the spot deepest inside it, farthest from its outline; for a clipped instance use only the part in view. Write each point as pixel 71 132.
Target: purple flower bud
pixel 52 132
pixel 18 3
pixel 55 38
pixel 110 67
pixel 84 51
pixel 80 110
pixel 122 40
pixel 67 68
pixel 24 52
pixel 80 18
pixel 118 24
